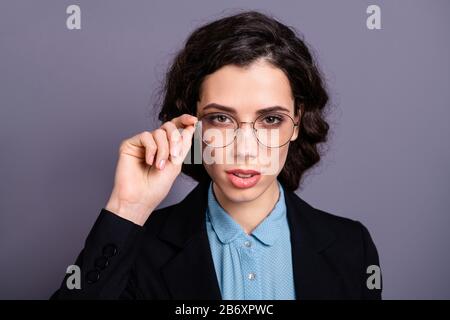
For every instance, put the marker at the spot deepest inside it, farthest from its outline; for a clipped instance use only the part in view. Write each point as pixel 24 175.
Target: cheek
pixel 283 154
pixel 273 160
pixel 214 170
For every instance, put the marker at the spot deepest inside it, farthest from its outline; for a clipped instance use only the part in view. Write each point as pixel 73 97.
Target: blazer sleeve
pixel 372 279
pixel 106 261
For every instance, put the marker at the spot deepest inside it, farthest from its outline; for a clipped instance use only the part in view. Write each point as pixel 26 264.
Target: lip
pixel 242 171
pixel 243 183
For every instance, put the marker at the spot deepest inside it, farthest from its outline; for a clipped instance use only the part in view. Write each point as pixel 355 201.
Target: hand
pixel 147 167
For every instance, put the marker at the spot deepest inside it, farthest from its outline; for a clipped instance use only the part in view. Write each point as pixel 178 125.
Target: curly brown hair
pixel 241 39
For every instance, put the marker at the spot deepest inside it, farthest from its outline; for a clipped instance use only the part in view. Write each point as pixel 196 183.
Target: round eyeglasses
pixel 272 130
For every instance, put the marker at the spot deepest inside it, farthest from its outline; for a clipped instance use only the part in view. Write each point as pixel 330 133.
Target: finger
pixel 186 142
pixel 150 146
pixel 184 120
pixel 162 144
pixel 186 135
pixel 143 146
pixel 174 137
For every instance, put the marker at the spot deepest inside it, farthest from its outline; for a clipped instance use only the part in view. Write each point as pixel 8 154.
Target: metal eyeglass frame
pixel 254 130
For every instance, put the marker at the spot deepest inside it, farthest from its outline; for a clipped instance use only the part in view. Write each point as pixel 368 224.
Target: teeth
pixel 240 175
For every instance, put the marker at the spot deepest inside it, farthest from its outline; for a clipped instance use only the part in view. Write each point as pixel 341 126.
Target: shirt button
pixel 251 276
pixel 248 244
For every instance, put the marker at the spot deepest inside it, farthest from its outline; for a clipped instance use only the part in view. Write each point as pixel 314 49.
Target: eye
pixel 272 119
pixel 219 119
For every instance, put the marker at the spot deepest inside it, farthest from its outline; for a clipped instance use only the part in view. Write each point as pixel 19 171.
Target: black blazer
pixel 170 258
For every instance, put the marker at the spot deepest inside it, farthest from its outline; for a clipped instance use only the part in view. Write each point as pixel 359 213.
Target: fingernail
pixel 162 163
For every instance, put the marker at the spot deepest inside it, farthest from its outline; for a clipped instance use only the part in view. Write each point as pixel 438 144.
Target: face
pixel 245 169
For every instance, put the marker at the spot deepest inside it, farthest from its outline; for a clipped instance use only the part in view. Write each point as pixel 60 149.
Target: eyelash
pixel 278 118
pixel 215 117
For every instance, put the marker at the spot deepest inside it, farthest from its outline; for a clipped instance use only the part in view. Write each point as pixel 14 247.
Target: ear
pixel 297 120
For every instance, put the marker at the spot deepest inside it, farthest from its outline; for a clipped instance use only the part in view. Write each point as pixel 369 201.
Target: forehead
pixel 247 89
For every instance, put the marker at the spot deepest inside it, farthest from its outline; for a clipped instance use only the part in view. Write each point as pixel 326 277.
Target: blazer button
pixel 110 250
pixel 93 276
pixel 101 263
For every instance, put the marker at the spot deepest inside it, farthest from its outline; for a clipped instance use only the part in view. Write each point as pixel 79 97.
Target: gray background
pixel 68 98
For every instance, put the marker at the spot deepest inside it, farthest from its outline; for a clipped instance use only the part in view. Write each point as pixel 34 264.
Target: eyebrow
pixel 233 111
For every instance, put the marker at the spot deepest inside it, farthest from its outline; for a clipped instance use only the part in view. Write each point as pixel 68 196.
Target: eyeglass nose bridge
pixel 254 130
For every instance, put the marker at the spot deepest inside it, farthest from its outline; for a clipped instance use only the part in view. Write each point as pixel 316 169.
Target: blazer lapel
pixel 314 277
pixel 190 274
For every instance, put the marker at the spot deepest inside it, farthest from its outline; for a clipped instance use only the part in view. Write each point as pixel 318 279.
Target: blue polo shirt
pixel 256 266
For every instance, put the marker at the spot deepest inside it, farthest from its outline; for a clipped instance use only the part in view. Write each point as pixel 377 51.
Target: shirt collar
pixel 228 230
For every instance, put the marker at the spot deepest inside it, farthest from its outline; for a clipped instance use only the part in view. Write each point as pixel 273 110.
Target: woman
pixel 251 90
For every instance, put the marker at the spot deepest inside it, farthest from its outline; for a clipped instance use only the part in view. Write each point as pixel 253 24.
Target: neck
pixel 244 213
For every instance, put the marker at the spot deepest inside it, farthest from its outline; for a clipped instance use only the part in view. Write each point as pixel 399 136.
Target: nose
pixel 246 142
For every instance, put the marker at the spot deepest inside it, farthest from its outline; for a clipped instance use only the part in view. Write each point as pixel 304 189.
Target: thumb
pixel 186 142
pixel 187 135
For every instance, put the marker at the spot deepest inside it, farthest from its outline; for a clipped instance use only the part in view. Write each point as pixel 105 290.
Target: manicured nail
pixel 162 163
